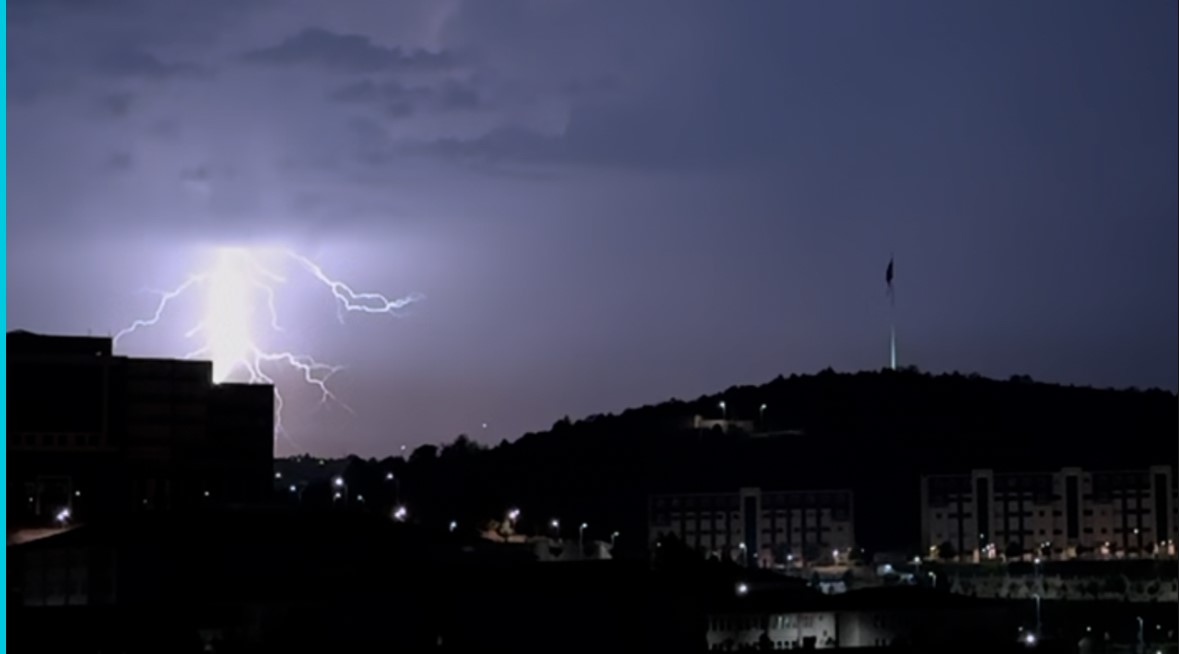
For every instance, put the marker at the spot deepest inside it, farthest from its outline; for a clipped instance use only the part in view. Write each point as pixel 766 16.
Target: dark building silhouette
pixel 92 434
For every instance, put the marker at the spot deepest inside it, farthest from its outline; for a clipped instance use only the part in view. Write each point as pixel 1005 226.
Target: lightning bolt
pixel 232 290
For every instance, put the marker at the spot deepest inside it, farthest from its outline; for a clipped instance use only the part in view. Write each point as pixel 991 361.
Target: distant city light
pixel 359 498
pixel 206 494
pixel 338 481
pixel 292 488
pixel 388 476
pixel 742 589
pixel 278 475
pixel 555 523
pixel 1030 638
pixel 337 496
pixel 77 493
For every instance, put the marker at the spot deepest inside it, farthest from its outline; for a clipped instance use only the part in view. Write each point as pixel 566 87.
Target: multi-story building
pixel 90 433
pixel 1066 513
pixel 758 528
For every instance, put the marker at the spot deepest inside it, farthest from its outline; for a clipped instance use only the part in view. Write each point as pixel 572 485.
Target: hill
pixel 873 432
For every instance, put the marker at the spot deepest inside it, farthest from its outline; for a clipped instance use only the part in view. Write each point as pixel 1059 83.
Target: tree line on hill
pixel 875 433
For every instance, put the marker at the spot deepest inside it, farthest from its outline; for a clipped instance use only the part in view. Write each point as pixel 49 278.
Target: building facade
pixel 91 434
pixel 872 618
pixel 1065 513
pixel 758 528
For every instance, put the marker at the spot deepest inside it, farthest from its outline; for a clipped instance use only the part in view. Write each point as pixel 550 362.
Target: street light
pixel 761 415
pixel 339 482
pixel 513 515
pixel 400 513
pixel 453 525
pixel 742 589
pixel 581 535
pixel 63 516
pixel 724 410
pixel 555 524
pixel 613 537
pixel 1037 598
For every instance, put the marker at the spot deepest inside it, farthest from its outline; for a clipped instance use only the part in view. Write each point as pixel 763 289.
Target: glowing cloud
pixel 239 287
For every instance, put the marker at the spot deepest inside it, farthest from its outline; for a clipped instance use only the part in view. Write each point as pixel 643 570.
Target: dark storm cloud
pixel 346 53
pixel 117 104
pixel 569 182
pixel 137 63
pixel 119 162
pixel 401 101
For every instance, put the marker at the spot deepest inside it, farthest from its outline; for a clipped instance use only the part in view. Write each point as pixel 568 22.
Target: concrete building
pixel 873 618
pixel 1064 514
pixel 758 528
pixel 91 434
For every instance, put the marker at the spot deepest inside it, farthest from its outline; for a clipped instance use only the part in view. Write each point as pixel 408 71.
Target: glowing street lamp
pixel 581 535
pixel 761 415
pixel 63 516
pixel 724 410
pixel 742 589
pixel 513 514
pixel 555 525
pixel 453 526
pixel 613 537
pixel 400 514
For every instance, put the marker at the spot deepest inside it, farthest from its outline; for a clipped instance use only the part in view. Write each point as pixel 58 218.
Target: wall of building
pixel 755 527
pixel 95 434
pixel 1064 513
pixel 783 630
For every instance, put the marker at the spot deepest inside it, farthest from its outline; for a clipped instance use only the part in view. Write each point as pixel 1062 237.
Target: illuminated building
pixel 758 528
pixel 99 434
pixel 1064 513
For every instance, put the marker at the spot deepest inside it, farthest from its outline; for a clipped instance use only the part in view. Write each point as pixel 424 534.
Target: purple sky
pixel 608 203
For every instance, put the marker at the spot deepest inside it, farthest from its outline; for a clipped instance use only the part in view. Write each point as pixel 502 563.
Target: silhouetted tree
pixel 424 453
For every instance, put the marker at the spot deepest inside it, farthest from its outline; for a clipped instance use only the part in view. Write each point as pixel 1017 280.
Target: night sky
pixel 606 204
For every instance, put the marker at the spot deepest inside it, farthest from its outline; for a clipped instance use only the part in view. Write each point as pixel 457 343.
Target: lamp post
pixel 724 410
pixel 761 416
pixel 613 538
pixel 390 477
pixel 555 524
pixel 581 536
pixel 1037 598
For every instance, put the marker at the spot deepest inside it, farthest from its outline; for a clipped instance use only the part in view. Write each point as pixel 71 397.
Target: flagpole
pixel 892 318
pixel 892 349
